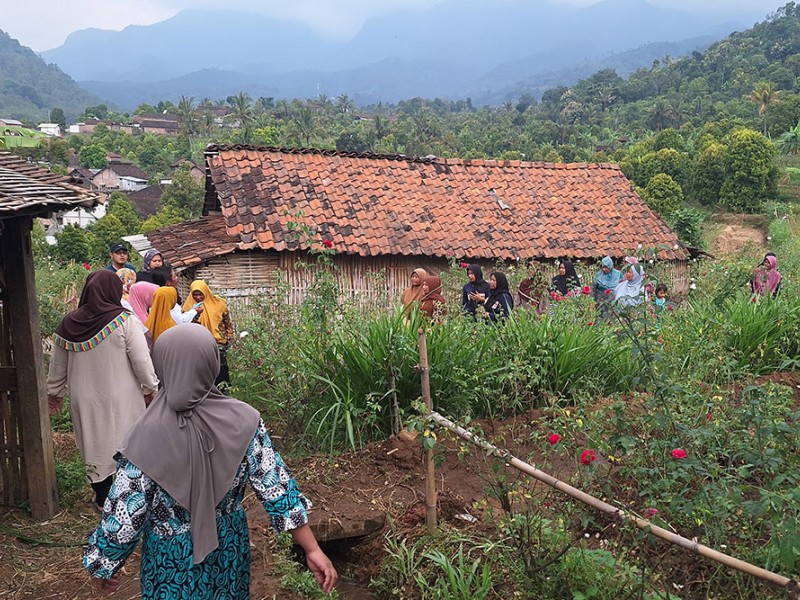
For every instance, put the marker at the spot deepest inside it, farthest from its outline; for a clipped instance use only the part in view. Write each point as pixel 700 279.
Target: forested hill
pixel 29 87
pixel 761 65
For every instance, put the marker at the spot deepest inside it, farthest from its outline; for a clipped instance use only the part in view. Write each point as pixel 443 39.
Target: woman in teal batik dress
pixel 195 448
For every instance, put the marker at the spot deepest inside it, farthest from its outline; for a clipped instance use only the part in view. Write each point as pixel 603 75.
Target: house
pixel 10 122
pixel 158 123
pixel 146 199
pixel 51 129
pixel 118 174
pixel 27 465
pixel 386 215
pixel 198 174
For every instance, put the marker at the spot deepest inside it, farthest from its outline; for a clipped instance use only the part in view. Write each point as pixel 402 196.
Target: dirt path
pixel 738 231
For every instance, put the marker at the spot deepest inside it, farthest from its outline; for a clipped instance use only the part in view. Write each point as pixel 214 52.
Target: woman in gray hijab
pixel 181 475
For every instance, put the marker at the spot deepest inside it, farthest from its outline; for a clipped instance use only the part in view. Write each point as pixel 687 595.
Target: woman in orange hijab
pixel 413 293
pixel 160 318
pixel 212 313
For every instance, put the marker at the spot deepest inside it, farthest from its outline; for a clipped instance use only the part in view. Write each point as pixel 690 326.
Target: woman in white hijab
pixel 630 291
pixel 181 475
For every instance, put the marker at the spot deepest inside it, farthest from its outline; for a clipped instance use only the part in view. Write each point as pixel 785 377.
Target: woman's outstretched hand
pixel 108 586
pixel 322 568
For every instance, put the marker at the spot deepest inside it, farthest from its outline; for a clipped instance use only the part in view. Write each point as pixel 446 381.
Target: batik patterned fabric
pixel 138 507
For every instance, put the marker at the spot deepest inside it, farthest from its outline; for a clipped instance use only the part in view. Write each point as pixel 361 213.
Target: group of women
pixel 625 287
pixel 167 453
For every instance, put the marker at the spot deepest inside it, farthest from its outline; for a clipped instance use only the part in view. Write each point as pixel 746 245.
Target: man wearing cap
pixel 119 258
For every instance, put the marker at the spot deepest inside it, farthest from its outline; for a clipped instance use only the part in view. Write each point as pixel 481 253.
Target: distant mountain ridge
pixel 29 87
pixel 459 48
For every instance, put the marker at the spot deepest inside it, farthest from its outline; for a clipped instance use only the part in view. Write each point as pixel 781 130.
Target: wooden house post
pixel 37 443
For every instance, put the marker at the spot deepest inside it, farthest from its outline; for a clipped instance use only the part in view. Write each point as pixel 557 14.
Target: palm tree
pixel 789 142
pixel 187 118
pixel 242 112
pixel 765 96
pixel 304 124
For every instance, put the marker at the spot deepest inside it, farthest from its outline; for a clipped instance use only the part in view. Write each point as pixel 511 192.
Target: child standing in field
pixel 660 302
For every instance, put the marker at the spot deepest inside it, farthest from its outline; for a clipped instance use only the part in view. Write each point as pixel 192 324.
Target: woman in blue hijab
pixel 606 280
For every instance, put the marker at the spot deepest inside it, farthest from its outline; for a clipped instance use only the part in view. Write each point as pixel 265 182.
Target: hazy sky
pixel 44 24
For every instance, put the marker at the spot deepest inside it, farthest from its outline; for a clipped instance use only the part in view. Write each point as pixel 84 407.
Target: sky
pixel 45 24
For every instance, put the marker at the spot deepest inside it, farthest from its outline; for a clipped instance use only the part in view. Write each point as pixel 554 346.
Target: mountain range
pixel 486 50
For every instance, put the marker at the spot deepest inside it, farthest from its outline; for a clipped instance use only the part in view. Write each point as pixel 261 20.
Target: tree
pixel 765 96
pixel 57 116
pixel 106 231
pixel 305 125
pixel 663 194
pixel 74 243
pixel 185 195
pixel 165 216
pixel 93 156
pixel 242 112
pixel 125 211
pixel 708 172
pixel 751 178
pixel 96 112
pixel 789 142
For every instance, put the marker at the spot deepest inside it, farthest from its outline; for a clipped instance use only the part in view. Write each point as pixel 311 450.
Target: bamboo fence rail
pixel 790 585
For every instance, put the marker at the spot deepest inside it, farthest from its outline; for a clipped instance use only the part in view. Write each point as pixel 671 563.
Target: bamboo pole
pixel 790 585
pixel 430 472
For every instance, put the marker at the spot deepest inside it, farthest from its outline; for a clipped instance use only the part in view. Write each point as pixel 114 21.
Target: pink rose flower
pixel 679 454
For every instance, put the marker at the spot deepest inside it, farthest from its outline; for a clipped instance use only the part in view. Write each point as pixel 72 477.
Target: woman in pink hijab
pixel 767 278
pixel 140 297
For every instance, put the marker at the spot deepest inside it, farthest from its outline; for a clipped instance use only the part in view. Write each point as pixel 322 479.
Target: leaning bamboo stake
pixel 430 471
pixel 791 585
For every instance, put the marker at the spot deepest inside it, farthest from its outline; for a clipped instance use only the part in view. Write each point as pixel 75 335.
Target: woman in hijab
pixel 413 294
pixel 567 282
pixel 432 303
pixel 141 298
pixel 630 291
pixel 100 356
pixel 533 289
pixel 212 313
pixel 160 319
pixel 181 476
pixel 606 280
pixel 499 302
pixel 767 278
pixel 475 285
pixel 152 260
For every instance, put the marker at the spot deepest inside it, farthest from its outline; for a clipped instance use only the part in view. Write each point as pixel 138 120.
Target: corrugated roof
pixel 373 205
pixel 26 188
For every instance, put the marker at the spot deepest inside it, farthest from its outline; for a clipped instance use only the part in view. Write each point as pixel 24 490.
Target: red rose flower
pixel 553 438
pixel 669 307
pixel 464 265
pixel 587 290
pixel 649 513
pixel 755 300
pixel 327 243
pixel 709 417
pixel 554 296
pixel 588 457
pixel 87 266
pixel 547 505
pixel 590 323
pixel 607 292
pixel 679 454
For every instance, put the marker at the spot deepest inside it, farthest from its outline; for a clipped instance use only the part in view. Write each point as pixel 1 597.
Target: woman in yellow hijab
pixel 212 313
pixel 160 319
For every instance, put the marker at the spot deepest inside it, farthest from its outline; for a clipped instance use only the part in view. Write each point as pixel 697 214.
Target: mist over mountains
pixel 486 50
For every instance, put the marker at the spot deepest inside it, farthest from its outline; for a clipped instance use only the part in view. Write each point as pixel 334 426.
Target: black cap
pixel 116 247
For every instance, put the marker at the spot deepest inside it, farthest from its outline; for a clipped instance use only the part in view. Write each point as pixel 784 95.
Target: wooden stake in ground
pixel 430 472
pixel 790 585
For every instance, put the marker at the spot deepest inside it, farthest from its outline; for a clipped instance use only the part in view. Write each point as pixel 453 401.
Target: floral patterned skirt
pixel 168 572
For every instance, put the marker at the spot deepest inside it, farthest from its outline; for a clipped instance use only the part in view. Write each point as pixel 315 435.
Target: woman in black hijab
pixel 567 281
pixel 499 302
pixel 476 285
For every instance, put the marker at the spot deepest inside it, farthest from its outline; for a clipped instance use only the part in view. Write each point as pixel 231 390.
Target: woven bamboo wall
pixel 366 282
pixel 13 482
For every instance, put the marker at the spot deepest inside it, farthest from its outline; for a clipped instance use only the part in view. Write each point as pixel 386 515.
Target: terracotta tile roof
pixel 376 205
pixel 26 188
pixel 193 242
pixel 123 169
